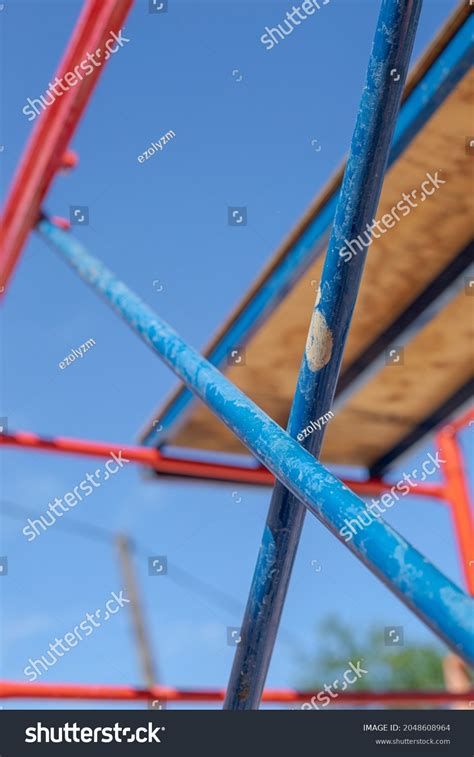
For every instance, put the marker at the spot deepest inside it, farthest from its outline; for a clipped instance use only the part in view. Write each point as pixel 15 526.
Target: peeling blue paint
pixel 437 601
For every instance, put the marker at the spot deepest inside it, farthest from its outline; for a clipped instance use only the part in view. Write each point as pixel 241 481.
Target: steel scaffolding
pixel 302 482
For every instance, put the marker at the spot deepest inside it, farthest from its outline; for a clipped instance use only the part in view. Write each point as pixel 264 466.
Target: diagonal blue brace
pixel 432 596
pixel 356 208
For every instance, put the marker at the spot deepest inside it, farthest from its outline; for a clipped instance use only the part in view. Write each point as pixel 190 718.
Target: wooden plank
pixel 400 264
pixel 435 364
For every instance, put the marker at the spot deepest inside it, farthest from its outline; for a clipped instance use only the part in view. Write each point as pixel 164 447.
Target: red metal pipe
pixel 466 419
pixel 174 466
pixel 23 690
pixel 148 456
pixel 144 455
pixel 378 486
pixel 458 497
pixel 45 151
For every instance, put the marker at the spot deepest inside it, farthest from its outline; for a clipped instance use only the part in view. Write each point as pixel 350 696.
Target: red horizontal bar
pixel 148 456
pixel 378 486
pixel 17 690
pixel 53 130
pixel 174 466
pixel 143 455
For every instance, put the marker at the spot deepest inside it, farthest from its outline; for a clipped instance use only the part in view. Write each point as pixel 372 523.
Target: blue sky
pixel 241 142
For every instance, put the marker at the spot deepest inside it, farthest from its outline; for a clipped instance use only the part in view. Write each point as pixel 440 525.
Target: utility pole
pixel 124 547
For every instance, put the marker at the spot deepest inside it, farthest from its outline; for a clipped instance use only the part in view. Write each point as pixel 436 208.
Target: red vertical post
pixel 457 495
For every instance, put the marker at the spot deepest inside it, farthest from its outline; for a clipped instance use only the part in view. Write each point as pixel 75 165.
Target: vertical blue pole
pixel 357 205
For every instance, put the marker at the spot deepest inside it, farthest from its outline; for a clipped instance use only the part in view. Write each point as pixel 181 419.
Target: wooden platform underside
pixel 400 264
pixel 437 359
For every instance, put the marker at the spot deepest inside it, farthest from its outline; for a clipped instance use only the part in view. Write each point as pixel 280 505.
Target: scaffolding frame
pixel 302 481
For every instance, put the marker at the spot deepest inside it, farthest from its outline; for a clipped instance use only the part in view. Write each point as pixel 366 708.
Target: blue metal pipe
pixel 356 208
pixel 432 596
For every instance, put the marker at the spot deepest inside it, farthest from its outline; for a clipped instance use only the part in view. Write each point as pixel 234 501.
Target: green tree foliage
pixel 412 666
